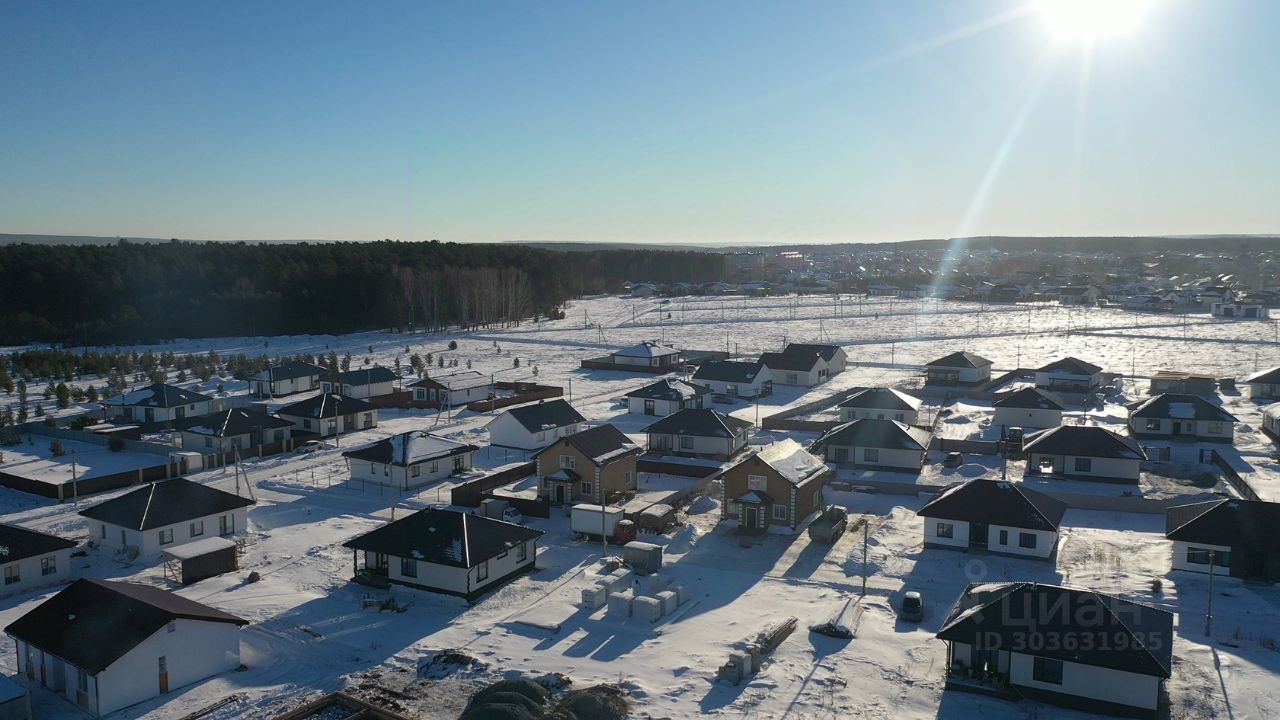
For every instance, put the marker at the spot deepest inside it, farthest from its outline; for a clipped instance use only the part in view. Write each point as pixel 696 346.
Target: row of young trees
pixel 137 292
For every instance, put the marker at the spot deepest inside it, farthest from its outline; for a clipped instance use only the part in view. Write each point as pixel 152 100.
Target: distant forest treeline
pixel 127 292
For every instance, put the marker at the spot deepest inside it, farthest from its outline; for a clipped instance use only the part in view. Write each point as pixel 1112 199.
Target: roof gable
pixel 733 371
pixel 1179 407
pixel 164 503
pixel 961 359
pixel 326 405
pixel 411 448
pixel 700 422
pixel 545 415
pixel 1083 441
pixel 997 503
pixel 876 433
pixel 1071 366
pixel 1029 398
pixel 603 444
pixel 444 537
pixel 882 399
pixel 18 543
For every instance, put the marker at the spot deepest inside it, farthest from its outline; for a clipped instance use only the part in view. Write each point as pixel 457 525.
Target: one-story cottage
pixel 409 460
pixel 287 378
pixel 165 514
pixel 1180 417
pixel 107 645
pixel 779 485
pixel 372 381
pixel 455 389
pixel 993 515
pixel 648 354
pixel 883 404
pixel 446 551
pixel 328 414
pixel 1271 420
pixel 1084 452
pixel 1236 537
pixel 31 559
pixel 1069 375
pixel 666 396
pixel 534 426
pixel 735 378
pixel 805 364
pixel 160 403
pixel 234 429
pixel 579 467
pixel 1066 646
pixel 1265 384
pixel 875 443
pixel 958 368
pixel 1028 408
pixel 1185 383
pixel 698 433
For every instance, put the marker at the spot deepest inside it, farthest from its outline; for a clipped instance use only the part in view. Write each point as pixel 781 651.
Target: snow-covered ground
pixel 309 633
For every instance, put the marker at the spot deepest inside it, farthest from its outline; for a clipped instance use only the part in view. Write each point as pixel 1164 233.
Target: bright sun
pixel 1091 19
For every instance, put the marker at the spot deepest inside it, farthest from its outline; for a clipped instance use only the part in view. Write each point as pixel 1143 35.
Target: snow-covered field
pixel 309 634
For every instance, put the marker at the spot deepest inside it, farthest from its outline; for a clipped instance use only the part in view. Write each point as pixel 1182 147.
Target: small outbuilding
pixel 202 559
pixel 1028 408
pixel 958 368
pixel 882 404
pixel 1180 417
pixel 1084 452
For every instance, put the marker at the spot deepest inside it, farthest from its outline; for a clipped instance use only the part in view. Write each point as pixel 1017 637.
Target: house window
pixel 569 462
pixel 333 425
pixel 82 681
pixel 586 488
pixel 208 442
pixel 1215 428
pixel 779 512
pixel 1004 537
pixel 12 575
pixel 1153 424
pixel 1200 556
pixel 1084 465
pixel 409 567
pixel 49 565
pixel 870 455
pixel 945 530
pixel 416 471
pixel 459 462
pixel 542 436
pixel 1047 670
pixel 435 467
pixel 386 470
pixel 757 482
pixel 793 379
pixel 197 528
pixel 627 478
pixel 686 442
pixel 102 531
pixel 1027 540
pixel 522 552
pixel 166 536
pixel 482 571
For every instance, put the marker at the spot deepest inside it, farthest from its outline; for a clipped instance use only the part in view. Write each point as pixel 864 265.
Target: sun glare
pixel 1092 19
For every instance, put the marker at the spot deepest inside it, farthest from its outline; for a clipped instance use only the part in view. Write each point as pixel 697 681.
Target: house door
pixel 381 564
pixel 43 671
pixel 1177 427
pixel 150 415
pixel 180 412
pixel 648 408
pixel 31 663
pixel 164 675
pixel 226 525
pixel 59 676
pixel 978 534
pixel 749 517
pixel 559 493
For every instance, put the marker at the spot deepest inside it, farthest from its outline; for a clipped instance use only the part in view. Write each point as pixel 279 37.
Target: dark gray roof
pixel 961 359
pixel 1231 522
pixel 827 352
pixel 602 444
pixel 1072 366
pixel 789 361
pixel 232 422
pixel 1093 621
pixel 996 502
pixel 444 537
pixel 410 448
pixel 669 389
pixel 456 381
pixel 1029 398
pixel 732 371
pixel 1266 377
pixel 164 503
pixel 17 543
pixel 701 422
pixel 882 399
pixel 548 414
pixel 326 405
pixel 157 395
pixel 290 371
pixel 368 376
pixel 876 433
pixel 1179 407
pixel 93 623
pixel 1084 441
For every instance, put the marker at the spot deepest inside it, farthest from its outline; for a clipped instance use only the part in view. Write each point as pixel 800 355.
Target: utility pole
pixel 1208 611
pixel 865 531
pixel 75 490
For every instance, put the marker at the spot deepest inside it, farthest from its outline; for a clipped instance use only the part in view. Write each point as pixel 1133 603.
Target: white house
pixel 875 443
pixel 666 396
pixel 372 381
pixel 958 368
pixel 1084 452
pixel 234 429
pixel 107 645
pixel 1271 419
pixel 1069 375
pixel 805 364
pixel 30 559
pixel 287 378
pixel 1072 647
pixel 160 403
pixel 1087 295
pixel 1243 311
pixel 328 415
pixel 698 433
pixel 1265 384
pixel 881 404
pixel 452 390
pixel 409 460
pixel 1028 408
pixel 1234 537
pixel 1180 417
pixel 446 551
pixel 164 514
pixel 648 354
pixel 995 516
pixel 735 378
pixel 534 426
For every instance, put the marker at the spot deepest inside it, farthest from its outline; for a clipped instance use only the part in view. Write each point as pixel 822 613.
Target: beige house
pixel 579 467
pixel 779 485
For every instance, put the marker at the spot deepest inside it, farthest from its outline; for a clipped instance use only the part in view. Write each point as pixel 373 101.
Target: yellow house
pixel 579 467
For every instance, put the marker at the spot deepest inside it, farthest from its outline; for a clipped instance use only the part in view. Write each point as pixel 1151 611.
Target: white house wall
pixel 194 651
pixel 718 446
pixel 744 390
pixel 401 476
pixel 849 414
pixel 161 414
pixel 1028 417
pixel 661 408
pixel 1201 429
pixel 911 460
pixel 29 572
pixel 1088 681
pixel 1179 560
pixel 1046 540
pixel 1102 468
pixel 459 581
pixel 148 541
pixel 959 533
pixel 506 431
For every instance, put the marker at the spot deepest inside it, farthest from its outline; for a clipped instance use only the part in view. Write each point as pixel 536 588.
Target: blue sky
pixel 701 122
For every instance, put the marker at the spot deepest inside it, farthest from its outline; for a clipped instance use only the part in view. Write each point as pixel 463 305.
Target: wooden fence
pixel 1233 478
pixel 473 493
pixel 524 392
